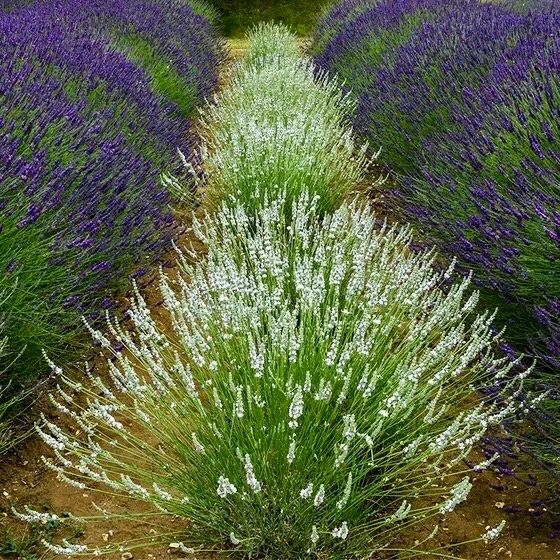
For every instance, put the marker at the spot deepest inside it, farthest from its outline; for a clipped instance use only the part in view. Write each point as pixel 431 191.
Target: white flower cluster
pixel 66 549
pixel 459 493
pixel 494 532
pixel 225 487
pixel 252 481
pixel 32 516
pixel 280 125
pixel 341 532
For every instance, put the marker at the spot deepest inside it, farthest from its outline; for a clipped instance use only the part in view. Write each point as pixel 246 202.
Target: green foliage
pixel 29 285
pixel 165 80
pixel 10 403
pixel 206 9
pixel 26 546
pixel 239 15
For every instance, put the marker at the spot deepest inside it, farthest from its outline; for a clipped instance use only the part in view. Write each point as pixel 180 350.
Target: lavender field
pixel 285 297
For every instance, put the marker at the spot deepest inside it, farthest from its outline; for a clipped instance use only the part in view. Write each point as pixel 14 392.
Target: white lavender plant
pixel 312 394
pixel 280 126
pixel 271 40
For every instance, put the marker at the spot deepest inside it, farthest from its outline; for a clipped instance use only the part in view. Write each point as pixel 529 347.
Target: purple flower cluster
pixel 464 99
pixel 178 35
pixel 84 137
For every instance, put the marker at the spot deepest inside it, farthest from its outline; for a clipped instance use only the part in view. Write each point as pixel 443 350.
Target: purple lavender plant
pixel 359 36
pixel 172 40
pixel 464 99
pixel 86 128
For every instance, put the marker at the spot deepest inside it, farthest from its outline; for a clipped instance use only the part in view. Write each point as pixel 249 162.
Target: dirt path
pixel 25 480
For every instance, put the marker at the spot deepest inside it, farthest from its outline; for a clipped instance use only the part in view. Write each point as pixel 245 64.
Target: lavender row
pixel 464 99
pixel 171 39
pixel 85 132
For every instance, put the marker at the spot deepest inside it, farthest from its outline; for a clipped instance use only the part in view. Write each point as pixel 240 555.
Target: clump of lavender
pixel 84 134
pixel 172 40
pixel 358 37
pixel 479 164
pixel 312 394
pixel 279 126
pixel 335 20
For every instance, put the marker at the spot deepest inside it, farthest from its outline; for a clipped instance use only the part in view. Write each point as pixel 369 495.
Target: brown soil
pixel 25 480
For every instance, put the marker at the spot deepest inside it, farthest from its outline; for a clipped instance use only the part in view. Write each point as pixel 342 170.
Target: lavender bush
pixel 279 126
pixel 464 98
pixel 311 395
pixel 171 39
pixel 357 36
pixel 84 136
